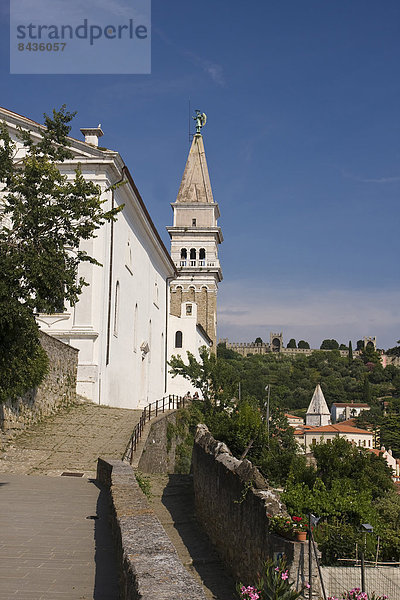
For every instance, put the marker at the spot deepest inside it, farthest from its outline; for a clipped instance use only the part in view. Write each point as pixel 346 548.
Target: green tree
pixel 350 353
pixel 394 351
pixel 366 390
pixel 214 377
pixel 292 343
pixel 258 340
pixel 329 345
pixel 342 460
pixel 224 352
pixel 304 345
pixel 46 217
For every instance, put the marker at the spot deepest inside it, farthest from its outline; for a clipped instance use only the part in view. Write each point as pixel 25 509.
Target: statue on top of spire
pixel 201 119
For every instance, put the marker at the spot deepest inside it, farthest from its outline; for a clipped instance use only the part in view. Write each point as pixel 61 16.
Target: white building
pixel 318 413
pixel 342 411
pixel 316 435
pixel 119 324
pixel 294 421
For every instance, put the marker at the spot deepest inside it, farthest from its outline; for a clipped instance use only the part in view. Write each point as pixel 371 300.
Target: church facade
pixel 126 323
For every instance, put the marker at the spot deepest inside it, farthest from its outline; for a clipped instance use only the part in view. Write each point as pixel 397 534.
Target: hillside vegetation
pixel 347 486
pixel 293 380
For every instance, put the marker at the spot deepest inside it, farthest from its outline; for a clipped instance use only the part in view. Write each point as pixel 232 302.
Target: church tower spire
pixel 195 236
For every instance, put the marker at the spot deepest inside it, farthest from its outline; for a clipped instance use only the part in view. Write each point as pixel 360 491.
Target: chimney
pixel 92 134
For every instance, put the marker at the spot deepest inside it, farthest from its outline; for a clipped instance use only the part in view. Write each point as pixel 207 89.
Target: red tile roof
pixel 339 428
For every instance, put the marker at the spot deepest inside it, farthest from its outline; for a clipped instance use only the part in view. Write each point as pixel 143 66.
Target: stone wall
pixel 58 389
pixel 149 566
pixel 233 501
pixel 158 454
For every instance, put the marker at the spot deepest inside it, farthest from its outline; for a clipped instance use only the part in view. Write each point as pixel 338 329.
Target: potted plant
pixel 292 528
pixel 300 529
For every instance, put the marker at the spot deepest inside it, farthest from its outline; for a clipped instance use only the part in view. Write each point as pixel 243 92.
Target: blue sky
pixel 303 148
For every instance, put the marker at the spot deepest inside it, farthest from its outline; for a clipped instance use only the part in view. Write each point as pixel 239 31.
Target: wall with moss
pixel 57 390
pixel 168 448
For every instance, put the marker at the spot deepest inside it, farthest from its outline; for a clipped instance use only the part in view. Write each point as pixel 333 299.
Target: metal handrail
pixel 170 402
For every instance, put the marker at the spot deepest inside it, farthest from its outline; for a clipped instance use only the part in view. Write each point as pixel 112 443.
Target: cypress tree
pixel 350 353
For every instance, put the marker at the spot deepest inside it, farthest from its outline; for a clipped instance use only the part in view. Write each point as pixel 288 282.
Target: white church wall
pixel 112 367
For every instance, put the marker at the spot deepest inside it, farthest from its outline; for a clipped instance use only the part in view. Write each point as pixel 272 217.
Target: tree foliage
pixel 346 487
pixel 237 423
pixel 303 345
pixel 394 351
pixel 292 343
pixel 45 216
pixel 329 345
pixel 293 379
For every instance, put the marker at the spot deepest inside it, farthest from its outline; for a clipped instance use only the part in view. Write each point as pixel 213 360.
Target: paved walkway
pixel 52 546
pixel 72 440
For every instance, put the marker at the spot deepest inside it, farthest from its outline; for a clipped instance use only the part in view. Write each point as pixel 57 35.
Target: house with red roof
pixel 309 436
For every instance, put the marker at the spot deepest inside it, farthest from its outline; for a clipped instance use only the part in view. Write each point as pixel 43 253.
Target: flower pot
pixel 301 535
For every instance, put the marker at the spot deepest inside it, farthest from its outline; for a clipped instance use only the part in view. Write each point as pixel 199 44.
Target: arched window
pixel 116 309
pixel 202 257
pixel 178 339
pixel 183 257
pixel 192 257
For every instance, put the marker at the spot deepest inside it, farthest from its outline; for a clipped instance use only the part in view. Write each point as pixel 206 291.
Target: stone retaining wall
pixel 148 562
pixel 233 501
pixel 158 454
pixel 58 389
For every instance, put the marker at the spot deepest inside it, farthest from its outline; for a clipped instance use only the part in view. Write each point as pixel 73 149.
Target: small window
pixel 193 222
pixel 192 253
pixel 178 339
pixel 188 309
pixel 313 441
pixel 364 442
pixel 369 443
pixel 183 253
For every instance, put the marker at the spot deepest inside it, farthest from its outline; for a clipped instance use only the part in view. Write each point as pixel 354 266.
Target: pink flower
pixel 308 586
pixel 285 575
pixel 277 569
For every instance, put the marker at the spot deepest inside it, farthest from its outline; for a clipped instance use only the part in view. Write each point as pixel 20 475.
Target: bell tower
pixel 195 236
